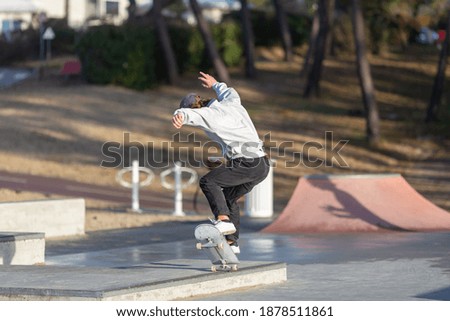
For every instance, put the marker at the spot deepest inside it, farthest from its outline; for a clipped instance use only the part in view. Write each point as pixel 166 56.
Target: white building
pixel 20 14
pixel 88 12
pixel 15 15
pixel 213 10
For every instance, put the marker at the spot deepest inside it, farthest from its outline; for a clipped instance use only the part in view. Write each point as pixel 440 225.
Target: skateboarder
pixel 226 122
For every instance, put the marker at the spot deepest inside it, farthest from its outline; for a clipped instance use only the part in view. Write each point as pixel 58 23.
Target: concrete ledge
pixel 62 217
pixel 22 248
pixel 167 280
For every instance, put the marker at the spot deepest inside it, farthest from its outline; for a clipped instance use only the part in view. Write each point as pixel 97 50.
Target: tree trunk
pixel 219 65
pixel 438 86
pixel 164 39
pixel 249 41
pixel 329 42
pixel 284 29
pixel 312 43
pixel 313 81
pixel 131 10
pixel 364 75
pixel 66 12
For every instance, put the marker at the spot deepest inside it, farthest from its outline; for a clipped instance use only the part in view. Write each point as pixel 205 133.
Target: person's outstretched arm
pixel 222 90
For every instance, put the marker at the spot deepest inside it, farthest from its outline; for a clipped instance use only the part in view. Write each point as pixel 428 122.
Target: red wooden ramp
pixel 351 203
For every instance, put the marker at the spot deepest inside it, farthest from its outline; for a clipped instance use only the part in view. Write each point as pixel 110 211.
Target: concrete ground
pixel 357 266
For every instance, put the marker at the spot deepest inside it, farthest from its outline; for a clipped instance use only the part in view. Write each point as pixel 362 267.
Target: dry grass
pixel 57 129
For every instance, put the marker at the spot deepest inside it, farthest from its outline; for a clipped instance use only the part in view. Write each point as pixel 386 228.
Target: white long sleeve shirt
pixel 226 122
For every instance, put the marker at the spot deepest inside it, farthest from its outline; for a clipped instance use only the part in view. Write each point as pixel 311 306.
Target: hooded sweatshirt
pixel 226 122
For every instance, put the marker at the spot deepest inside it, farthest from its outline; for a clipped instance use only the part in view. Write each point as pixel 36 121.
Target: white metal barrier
pixel 178 185
pixel 135 182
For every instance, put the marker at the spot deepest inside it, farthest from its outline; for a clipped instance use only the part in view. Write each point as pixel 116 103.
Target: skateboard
pixel 216 247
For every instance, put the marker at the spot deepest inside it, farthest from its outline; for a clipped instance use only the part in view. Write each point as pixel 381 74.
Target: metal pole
pixel 49 50
pixel 41 42
pixel 41 49
pixel 178 191
pixel 135 187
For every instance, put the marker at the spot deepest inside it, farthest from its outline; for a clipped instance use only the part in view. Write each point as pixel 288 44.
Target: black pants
pixel 224 185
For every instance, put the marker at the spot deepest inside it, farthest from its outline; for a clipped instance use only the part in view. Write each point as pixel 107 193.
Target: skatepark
pixel 294 257
pixel 356 238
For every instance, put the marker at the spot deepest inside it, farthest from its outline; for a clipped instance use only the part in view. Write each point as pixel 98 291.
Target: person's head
pixel 193 100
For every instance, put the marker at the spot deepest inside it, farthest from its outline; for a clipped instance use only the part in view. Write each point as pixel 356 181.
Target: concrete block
pixel 61 217
pixel 22 248
pixel 159 281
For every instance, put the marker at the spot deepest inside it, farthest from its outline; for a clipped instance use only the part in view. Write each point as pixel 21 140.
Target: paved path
pixel 10 76
pixel 355 266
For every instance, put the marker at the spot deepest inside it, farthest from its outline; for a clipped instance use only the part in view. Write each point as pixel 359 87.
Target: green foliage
pixel 266 30
pixel 190 48
pixel 25 44
pixel 393 24
pixel 261 4
pixel 22 46
pixel 228 37
pixel 131 55
pixel 119 55
pixel 64 42
pixel 138 70
pixel 300 27
pixel 195 54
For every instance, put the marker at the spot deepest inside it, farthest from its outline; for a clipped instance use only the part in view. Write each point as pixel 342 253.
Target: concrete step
pixel 165 280
pixel 22 248
pixel 55 218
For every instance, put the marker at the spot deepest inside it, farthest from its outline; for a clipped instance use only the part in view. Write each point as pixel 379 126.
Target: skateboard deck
pixel 216 248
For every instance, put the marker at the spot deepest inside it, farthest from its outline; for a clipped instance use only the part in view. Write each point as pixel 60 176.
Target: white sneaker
pixel 225 227
pixel 235 248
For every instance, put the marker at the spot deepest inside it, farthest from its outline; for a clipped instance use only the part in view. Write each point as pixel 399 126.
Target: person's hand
pixel 207 80
pixel 177 120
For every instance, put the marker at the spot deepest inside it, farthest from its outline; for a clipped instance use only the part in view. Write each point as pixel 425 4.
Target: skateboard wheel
pixel 199 246
pixel 234 267
pixel 220 246
pixel 213 268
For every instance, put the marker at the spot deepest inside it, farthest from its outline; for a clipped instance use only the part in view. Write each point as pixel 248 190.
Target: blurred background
pixel 76 74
